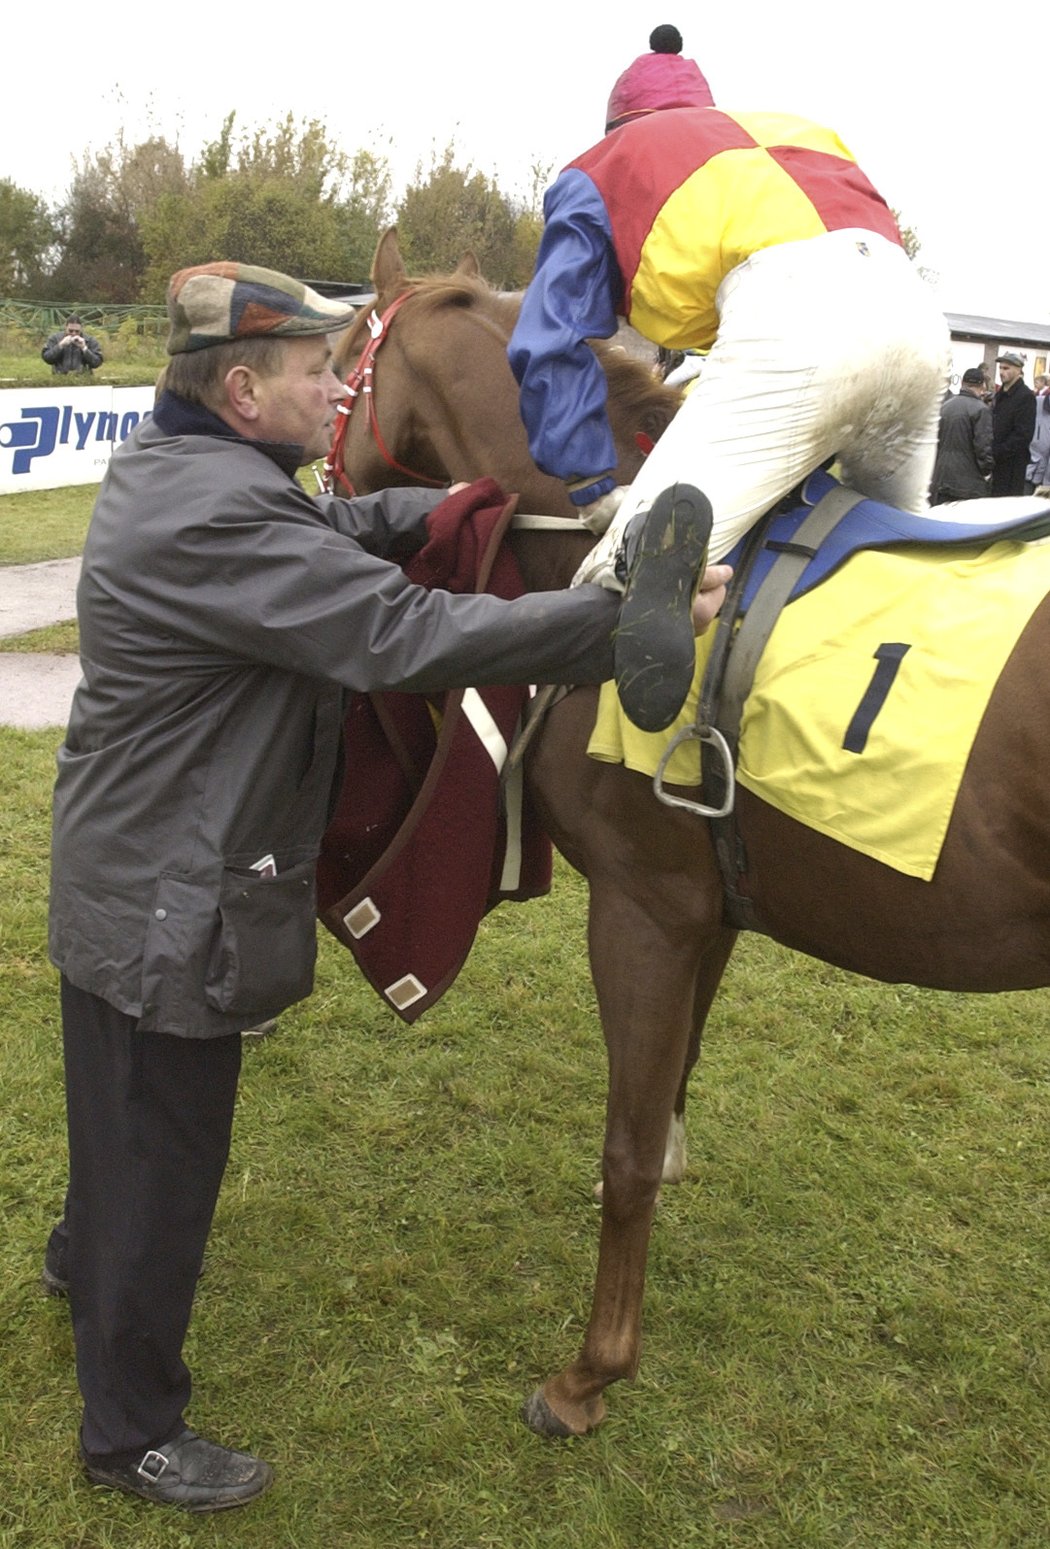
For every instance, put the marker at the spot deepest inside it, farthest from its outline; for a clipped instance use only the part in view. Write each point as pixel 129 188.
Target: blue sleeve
pixel 573 296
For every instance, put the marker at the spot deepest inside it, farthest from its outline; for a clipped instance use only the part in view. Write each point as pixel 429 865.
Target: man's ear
pixel 242 392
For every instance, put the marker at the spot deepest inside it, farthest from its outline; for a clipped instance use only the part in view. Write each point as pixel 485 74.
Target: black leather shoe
pixel 189 1472
pixel 654 649
pixel 54 1277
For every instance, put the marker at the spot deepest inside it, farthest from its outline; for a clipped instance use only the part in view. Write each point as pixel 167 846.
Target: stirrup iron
pixel 712 735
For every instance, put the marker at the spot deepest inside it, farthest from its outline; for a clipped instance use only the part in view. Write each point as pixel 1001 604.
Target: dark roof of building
pixel 997 330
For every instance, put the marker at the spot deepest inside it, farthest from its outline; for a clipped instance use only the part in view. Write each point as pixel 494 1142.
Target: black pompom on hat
pixel 665 40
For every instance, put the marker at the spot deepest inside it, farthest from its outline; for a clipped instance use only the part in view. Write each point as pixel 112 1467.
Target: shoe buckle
pixel 152 1466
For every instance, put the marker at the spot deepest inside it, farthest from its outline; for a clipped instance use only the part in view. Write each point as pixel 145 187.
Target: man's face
pixel 74 330
pixel 298 404
pixel 1008 374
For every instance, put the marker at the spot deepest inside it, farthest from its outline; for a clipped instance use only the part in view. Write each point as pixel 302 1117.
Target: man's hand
pixel 1043 491
pixel 711 596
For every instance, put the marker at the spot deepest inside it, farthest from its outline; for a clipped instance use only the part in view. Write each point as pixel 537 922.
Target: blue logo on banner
pixel 40 430
pixel 34 436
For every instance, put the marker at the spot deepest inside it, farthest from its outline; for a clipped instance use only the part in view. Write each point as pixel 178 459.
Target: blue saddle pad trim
pixel 870 525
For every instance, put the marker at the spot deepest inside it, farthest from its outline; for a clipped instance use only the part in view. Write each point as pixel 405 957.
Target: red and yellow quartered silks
pixel 691 194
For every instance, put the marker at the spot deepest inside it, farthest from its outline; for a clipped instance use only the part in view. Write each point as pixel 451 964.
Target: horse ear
pixel 468 264
pixel 388 267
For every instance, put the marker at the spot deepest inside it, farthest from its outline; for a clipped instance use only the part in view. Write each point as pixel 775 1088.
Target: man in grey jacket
pixel 964 443
pixel 223 613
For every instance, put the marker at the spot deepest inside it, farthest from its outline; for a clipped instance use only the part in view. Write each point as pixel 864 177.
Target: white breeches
pixel 832 347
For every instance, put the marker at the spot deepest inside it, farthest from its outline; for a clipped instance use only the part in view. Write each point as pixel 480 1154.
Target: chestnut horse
pixel 444 407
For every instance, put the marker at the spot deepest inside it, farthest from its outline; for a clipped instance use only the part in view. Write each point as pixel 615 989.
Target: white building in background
pixel 978 340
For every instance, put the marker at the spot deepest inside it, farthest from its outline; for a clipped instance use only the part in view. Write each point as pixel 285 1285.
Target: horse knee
pixel 629 1186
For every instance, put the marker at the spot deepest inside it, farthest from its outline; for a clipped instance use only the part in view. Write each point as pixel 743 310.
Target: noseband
pixel 359 384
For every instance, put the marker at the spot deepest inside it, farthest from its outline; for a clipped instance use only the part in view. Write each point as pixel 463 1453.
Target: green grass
pixel 59 639
pixel 20 370
pixel 848 1309
pixel 45 523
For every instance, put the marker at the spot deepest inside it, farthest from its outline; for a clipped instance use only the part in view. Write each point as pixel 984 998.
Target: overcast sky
pixel 938 101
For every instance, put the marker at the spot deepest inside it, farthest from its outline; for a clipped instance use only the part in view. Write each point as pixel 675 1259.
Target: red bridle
pixel 359 384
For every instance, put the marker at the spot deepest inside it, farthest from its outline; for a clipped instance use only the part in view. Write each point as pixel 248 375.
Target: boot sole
pixel 654 650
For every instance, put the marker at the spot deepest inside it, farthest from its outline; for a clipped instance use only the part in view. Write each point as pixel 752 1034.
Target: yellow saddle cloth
pixel 868 696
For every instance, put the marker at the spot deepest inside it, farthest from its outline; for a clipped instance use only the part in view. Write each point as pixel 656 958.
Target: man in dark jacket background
pixel 964 443
pixel 223 613
pixel 72 350
pixel 1013 426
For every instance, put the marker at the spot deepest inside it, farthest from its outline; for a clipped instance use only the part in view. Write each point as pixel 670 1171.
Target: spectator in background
pixel 1013 426
pixel 72 350
pixel 661 79
pixel 964 443
pixel 1039 448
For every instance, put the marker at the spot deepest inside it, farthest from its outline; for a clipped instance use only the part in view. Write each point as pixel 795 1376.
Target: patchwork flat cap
pixel 217 303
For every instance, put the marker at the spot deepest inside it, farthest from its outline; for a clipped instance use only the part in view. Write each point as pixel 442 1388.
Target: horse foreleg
pixel 645 958
pixel 712 967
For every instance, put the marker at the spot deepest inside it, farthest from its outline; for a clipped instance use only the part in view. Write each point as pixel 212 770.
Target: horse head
pixel 442 403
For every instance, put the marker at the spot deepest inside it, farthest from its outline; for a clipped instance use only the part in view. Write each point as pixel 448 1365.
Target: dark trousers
pixel 1008 475
pixel 149 1118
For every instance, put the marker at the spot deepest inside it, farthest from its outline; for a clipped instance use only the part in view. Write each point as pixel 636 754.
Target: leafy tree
pixel 454 210
pixel 363 212
pixel 260 220
pixel 27 241
pixel 111 196
pixel 216 156
pixel 299 152
pixel 281 196
pixel 528 229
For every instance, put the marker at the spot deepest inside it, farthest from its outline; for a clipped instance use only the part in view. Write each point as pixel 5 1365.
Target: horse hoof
pixel 540 1417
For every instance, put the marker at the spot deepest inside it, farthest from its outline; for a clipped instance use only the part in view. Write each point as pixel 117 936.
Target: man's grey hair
pixel 198 375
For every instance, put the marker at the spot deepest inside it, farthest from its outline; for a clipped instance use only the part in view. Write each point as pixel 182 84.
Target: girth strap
pixel 730 672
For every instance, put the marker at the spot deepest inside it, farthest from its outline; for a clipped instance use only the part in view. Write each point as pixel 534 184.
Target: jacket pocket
pixel 263 958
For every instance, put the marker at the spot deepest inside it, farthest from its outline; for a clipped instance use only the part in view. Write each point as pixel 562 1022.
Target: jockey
pixel 757 237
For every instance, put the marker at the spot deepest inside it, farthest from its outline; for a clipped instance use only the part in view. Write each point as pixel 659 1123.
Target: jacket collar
pixel 179 417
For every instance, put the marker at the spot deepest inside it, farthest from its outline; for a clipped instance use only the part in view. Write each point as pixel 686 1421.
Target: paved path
pixel 35 688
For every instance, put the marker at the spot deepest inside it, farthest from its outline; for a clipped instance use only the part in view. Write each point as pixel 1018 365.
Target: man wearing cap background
pixel 1013 426
pixel 964 442
pixel 223 612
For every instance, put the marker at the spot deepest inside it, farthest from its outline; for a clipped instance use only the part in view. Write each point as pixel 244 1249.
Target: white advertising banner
pixel 54 436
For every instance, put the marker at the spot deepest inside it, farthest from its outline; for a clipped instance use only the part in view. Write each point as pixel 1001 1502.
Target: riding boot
pixel 661 562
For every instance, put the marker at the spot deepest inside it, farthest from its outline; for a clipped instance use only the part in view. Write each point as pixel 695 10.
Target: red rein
pixel 359 384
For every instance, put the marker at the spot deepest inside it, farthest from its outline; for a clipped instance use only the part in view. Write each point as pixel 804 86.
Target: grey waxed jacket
pixel 223 613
